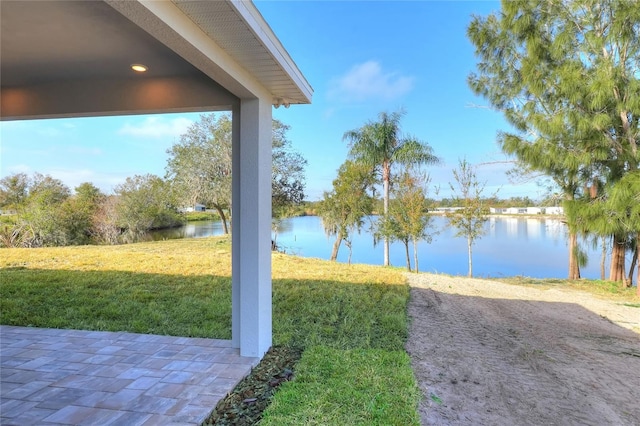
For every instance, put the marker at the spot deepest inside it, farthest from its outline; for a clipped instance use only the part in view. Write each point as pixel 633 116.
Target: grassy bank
pixel 200 216
pixel 607 289
pixel 350 322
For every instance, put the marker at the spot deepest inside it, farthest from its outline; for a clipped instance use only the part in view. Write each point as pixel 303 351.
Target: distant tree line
pixel 46 213
pixel 43 211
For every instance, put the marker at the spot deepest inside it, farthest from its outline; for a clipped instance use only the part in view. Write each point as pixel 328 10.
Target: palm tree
pixel 379 144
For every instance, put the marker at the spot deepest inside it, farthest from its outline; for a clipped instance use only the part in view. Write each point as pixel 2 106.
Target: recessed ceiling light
pixel 139 67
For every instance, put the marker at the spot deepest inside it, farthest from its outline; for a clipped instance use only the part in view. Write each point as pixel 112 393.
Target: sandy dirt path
pixel 489 353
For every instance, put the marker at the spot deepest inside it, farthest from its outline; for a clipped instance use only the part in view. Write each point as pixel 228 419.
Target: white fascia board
pixel 264 33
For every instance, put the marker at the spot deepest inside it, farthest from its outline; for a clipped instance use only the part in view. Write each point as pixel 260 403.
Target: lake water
pixel 512 246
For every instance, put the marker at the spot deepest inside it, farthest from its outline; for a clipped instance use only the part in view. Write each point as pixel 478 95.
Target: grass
pixel 350 322
pixel 347 387
pixel 607 289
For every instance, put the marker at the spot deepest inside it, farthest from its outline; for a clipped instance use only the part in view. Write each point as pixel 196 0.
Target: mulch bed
pixel 245 404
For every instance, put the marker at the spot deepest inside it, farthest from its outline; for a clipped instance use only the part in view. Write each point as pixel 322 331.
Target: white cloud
pixel 157 127
pixel 368 81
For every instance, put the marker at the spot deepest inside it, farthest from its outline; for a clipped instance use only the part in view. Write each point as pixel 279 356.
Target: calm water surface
pixel 512 246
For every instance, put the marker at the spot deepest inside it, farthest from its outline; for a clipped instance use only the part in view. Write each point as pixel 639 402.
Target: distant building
pixel 446 209
pixel 526 210
pixel 554 210
pixel 195 208
pixel 511 210
pixel 534 210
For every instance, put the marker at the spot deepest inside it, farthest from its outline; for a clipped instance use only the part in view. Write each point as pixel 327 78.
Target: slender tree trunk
pixel 406 252
pixel 350 247
pixel 470 274
pixel 617 271
pixel 638 277
pixel 415 255
pixel 634 261
pixel 603 258
pixel 336 247
pixel 386 178
pixel 275 227
pixel 574 266
pixel 223 218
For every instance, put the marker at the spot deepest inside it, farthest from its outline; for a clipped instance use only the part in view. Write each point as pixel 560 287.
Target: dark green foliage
pixel 565 75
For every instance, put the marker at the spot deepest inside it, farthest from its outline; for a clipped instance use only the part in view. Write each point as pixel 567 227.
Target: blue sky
pixel 360 57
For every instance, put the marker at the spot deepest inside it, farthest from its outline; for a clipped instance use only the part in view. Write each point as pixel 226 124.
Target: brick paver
pixel 74 377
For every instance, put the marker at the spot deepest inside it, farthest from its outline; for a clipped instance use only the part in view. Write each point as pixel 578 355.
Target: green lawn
pixel 350 321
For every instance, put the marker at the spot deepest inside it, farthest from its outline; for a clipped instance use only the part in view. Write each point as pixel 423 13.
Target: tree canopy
pixel 199 166
pixel 344 209
pixel 566 76
pixel 13 190
pixel 145 202
pixel 380 144
pixel 470 219
pixel 408 220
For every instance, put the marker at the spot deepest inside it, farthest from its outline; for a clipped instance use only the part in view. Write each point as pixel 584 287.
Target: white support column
pixel 251 228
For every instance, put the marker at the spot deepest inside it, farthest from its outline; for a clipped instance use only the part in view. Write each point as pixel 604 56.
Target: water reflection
pixel 512 246
pixel 190 230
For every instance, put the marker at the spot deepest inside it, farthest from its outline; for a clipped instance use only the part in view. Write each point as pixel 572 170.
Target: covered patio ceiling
pixel 73 58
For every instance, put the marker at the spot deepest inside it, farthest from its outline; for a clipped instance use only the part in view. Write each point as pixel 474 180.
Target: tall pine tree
pixel 566 77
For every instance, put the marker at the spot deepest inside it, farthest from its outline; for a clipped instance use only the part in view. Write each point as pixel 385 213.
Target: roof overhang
pixel 72 58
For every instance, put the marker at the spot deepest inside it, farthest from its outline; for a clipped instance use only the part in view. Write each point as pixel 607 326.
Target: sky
pixel 360 57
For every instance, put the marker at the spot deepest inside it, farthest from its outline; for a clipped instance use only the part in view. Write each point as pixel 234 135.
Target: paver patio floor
pixel 73 377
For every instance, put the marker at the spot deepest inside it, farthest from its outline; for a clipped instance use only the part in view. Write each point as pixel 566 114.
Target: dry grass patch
pixel 609 290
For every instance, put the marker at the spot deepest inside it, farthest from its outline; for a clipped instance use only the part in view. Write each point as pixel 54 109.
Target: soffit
pixel 239 29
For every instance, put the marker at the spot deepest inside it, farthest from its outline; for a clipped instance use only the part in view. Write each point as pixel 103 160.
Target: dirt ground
pixel 488 353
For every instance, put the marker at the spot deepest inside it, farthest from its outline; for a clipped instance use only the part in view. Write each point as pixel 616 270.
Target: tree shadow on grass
pixel 305 312
pixel 351 321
